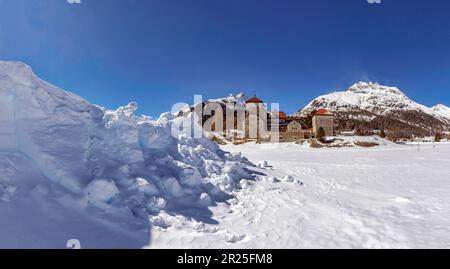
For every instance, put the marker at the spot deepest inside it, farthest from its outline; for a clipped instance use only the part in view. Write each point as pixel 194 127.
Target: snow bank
pixel 108 158
pixel 7 173
pixel 347 141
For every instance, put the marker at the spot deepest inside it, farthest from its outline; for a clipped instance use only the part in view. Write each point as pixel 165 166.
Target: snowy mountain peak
pixel 440 107
pixel 230 99
pixel 369 96
pixel 442 110
pixel 369 105
pixel 371 88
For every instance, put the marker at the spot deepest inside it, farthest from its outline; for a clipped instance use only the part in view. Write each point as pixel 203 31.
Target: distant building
pixel 288 129
pixel 255 122
pixel 323 119
pixel 255 125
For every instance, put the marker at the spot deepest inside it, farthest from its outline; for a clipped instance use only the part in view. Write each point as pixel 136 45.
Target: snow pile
pixel 7 173
pixel 159 171
pixel 52 127
pixel 358 141
pixel 101 192
pixel 108 159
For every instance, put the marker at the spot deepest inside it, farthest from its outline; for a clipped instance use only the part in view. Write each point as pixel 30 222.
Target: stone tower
pixel 323 119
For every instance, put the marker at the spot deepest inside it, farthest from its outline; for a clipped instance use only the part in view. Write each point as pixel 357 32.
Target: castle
pixel 254 121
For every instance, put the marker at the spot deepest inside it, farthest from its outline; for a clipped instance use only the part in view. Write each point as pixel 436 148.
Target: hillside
pixel 367 106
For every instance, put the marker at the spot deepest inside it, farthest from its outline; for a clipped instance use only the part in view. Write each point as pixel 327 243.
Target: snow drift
pixel 108 160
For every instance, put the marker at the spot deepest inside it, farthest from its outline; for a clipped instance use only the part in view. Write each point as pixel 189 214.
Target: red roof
pixel 254 100
pixel 322 112
pixel 280 115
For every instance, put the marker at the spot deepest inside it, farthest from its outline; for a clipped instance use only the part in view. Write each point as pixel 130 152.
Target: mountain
pixel 368 106
pixel 72 169
pixel 232 101
pixel 442 111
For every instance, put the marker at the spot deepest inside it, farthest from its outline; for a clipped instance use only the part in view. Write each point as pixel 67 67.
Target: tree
pixel 382 134
pixel 320 133
pixel 437 137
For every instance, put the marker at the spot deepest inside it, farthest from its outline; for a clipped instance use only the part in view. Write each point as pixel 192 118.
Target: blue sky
pixel 159 52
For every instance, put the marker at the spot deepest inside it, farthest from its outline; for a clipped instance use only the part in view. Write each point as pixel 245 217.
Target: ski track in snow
pixel 385 197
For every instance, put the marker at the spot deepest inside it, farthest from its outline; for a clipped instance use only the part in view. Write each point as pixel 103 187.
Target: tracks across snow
pixel 386 197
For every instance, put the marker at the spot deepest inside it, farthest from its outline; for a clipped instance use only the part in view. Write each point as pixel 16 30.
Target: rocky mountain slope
pixel 367 106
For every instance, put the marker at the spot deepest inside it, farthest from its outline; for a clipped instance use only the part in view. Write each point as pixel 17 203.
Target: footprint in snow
pixel 234 238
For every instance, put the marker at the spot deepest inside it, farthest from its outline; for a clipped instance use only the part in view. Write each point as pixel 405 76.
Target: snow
pixel 238 99
pixel 74 170
pixel 366 96
pixel 372 97
pixel 101 192
pixel 390 196
pixel 442 111
pixel 42 215
pixel 232 102
pixel 346 141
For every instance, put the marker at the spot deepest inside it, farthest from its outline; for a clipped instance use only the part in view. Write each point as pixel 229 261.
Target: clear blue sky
pixel 159 52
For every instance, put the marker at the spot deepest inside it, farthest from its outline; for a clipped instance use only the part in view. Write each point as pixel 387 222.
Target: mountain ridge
pixel 369 106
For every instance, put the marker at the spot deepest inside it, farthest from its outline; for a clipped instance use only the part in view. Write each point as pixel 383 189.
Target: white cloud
pixel 74 1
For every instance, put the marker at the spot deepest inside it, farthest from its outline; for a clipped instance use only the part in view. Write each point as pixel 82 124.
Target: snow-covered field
pixel 384 197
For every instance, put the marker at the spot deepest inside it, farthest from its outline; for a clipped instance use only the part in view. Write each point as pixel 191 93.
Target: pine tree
pixel 437 137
